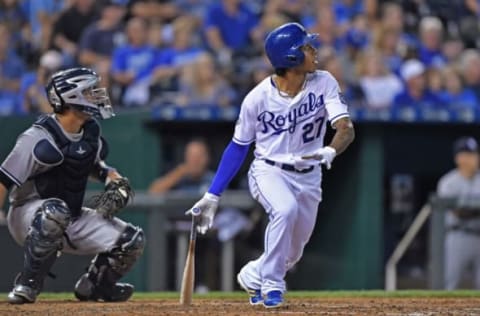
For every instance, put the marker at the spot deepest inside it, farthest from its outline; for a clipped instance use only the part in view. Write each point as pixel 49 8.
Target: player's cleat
pixel 85 290
pixel 22 294
pixel 273 299
pixel 255 296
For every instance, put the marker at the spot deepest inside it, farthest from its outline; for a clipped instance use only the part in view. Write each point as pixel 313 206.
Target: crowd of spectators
pixel 385 54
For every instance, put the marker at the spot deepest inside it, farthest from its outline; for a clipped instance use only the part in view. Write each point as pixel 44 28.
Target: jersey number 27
pixel 312 130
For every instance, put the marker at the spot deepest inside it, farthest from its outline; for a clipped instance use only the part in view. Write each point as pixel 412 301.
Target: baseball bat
pixel 186 291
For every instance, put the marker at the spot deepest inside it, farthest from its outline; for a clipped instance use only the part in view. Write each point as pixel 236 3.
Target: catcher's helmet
pixel 283 45
pixel 77 88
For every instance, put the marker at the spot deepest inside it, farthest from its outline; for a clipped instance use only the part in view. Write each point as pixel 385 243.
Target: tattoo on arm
pixel 344 135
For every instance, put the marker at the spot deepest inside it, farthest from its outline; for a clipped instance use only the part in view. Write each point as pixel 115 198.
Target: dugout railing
pixel 435 211
pixel 165 215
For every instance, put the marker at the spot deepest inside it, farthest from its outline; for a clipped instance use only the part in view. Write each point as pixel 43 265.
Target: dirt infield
pixel 294 306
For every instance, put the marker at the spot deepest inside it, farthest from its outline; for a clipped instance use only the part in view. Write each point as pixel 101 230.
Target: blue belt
pixel 288 167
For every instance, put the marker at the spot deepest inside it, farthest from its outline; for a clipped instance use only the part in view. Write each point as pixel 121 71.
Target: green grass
pixel 300 294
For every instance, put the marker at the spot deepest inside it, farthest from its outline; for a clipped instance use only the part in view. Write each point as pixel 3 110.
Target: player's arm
pixel 344 135
pixel 232 159
pixel 101 171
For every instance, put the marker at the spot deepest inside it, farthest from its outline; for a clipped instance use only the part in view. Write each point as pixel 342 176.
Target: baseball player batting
pixel 47 173
pixel 286 116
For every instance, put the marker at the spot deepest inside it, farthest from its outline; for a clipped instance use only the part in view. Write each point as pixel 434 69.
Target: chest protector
pixel 68 180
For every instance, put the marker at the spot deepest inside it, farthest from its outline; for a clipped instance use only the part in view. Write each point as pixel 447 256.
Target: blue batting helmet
pixel 283 45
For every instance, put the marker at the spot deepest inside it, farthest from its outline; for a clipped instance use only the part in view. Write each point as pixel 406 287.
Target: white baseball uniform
pixel 283 128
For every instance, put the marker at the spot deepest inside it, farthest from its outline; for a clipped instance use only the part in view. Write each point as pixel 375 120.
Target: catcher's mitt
pixel 117 194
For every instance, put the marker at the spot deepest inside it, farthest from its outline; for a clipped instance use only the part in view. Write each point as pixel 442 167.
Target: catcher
pixel 47 173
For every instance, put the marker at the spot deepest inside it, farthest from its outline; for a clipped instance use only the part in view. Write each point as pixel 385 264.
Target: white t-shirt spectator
pixel 380 91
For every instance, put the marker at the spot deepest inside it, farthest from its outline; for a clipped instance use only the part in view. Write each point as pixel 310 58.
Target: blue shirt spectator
pixel 233 21
pixel 11 70
pixel 41 14
pixel 133 64
pixel 455 94
pixel 429 50
pixel 346 10
pixel 415 97
pixel 136 59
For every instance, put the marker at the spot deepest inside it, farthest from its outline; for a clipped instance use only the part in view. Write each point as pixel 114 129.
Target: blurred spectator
pixel 33 98
pixel 13 16
pixel 192 175
pixel 133 64
pixel 346 10
pixel 431 36
pixel 326 29
pixel 470 67
pixel 42 15
pixel 153 10
pixel 463 221
pixel 69 27
pixel 330 61
pixel 171 61
pixel 387 42
pixel 11 70
pixel 99 40
pixel 194 8
pixel 415 96
pixel 201 84
pixel 378 83
pixel 455 94
pixel 434 80
pixel 259 69
pixel 452 48
pixel 392 19
pixel 357 39
pixel 292 9
pixel 229 27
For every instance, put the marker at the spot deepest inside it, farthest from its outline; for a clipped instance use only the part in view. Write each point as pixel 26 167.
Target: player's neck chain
pixel 287 94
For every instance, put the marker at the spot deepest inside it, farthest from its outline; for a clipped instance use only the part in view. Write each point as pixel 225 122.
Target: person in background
pixel 462 222
pixel 415 95
pixel 379 84
pixel 133 64
pixel 170 61
pixel 470 69
pixel 100 39
pixel 455 94
pixel 387 41
pixel 42 15
pixel 202 84
pixel 229 28
pixel 33 97
pixel 431 36
pixel 69 27
pixel 11 70
pixel 192 175
pixel 330 61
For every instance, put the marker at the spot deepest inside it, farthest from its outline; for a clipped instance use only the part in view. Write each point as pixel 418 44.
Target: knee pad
pixel 43 241
pixel 52 219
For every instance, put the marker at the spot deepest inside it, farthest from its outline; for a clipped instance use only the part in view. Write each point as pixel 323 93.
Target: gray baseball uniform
pixel 89 233
pixel 462 244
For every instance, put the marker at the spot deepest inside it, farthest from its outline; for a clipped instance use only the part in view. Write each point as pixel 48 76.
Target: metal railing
pixel 435 210
pixel 164 216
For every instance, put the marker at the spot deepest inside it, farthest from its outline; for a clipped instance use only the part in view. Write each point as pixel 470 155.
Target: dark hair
pixel 280 71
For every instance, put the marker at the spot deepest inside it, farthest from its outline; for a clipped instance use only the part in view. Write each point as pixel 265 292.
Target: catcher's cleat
pixel 85 290
pixel 255 296
pixel 22 294
pixel 273 299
